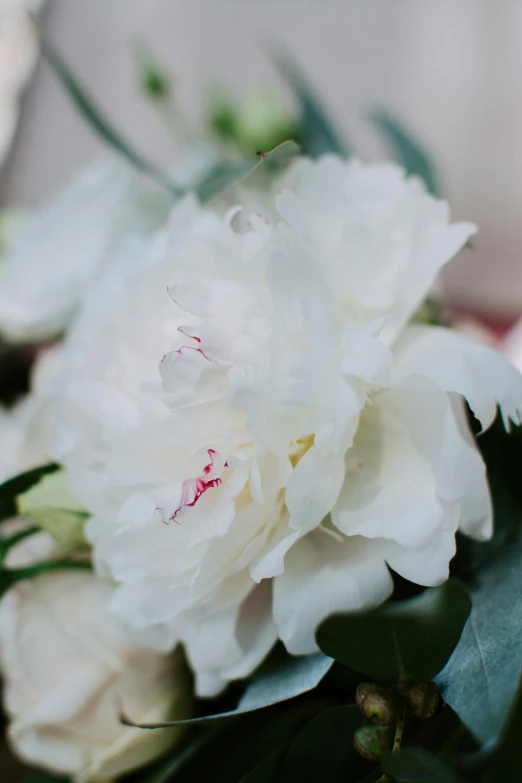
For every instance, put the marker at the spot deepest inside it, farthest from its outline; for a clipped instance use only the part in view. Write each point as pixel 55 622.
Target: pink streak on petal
pixel 193 488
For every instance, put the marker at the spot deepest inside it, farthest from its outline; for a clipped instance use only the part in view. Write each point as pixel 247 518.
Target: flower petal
pixel 457 364
pixel 323 576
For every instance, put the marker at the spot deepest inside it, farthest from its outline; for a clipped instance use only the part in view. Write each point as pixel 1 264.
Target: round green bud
pixel 423 699
pixel 154 82
pixel 377 704
pixel 373 742
pixel 222 115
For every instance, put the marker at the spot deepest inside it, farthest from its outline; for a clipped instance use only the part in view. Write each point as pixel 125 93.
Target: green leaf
pixel 507 760
pixel 245 746
pixel 15 538
pixel 407 151
pixel 415 765
pixel 317 135
pixel 323 749
pixel 481 677
pixel 99 124
pixel 284 681
pixel 169 769
pixel 220 177
pixel 17 485
pixel 9 577
pixel 44 777
pixel 268 770
pixel 401 640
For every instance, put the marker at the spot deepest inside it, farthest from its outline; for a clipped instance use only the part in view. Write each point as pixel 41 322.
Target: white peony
pixel 302 436
pixel 50 262
pixel 67 667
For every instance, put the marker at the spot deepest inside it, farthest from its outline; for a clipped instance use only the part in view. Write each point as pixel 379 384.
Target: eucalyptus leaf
pixel 19 484
pixel 401 640
pixel 407 151
pixel 284 681
pixel 317 135
pixel 481 677
pixel 323 749
pixel 99 124
pixel 507 760
pixel 416 765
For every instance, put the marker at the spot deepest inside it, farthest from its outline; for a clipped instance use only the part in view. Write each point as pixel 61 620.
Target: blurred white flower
pixel 67 668
pixel 18 53
pixel 304 436
pixel 51 261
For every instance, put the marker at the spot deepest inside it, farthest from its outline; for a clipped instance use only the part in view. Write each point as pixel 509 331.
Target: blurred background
pixel 450 70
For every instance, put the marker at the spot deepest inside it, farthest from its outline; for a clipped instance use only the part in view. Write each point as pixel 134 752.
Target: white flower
pixel 51 261
pixel 303 437
pixel 67 667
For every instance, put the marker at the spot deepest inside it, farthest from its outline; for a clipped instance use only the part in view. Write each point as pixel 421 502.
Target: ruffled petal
pixel 457 364
pixel 324 575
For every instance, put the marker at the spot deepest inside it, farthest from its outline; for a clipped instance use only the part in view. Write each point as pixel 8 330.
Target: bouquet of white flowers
pixel 260 512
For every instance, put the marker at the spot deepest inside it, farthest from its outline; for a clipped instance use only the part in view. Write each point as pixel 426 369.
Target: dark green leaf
pixel 481 677
pixel 323 749
pixel 267 771
pixel 9 577
pixel 15 486
pixel 401 640
pixel 100 125
pixel 170 768
pixel 317 135
pixel 15 538
pixel 407 151
pixel 246 744
pixel 286 680
pixel 415 765
pixel 43 777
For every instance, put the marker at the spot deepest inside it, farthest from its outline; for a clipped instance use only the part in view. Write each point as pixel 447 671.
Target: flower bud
pixel 373 742
pixel 423 699
pixel 378 705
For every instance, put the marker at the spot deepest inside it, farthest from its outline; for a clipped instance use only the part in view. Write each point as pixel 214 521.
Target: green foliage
pixel 17 485
pixel 507 759
pixel 323 750
pixel 400 641
pixel 481 677
pixel 415 765
pixel 43 777
pixel 317 135
pixel 100 125
pixel 406 150
pixel 280 679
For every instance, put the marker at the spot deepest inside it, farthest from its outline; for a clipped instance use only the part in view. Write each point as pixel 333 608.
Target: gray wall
pixel 451 68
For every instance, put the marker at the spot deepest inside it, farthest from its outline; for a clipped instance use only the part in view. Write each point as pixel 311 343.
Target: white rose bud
pixel 67 669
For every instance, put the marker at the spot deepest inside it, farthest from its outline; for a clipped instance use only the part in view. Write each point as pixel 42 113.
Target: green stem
pixel 15 538
pixel 399 731
pixel 49 565
pixel 397 741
